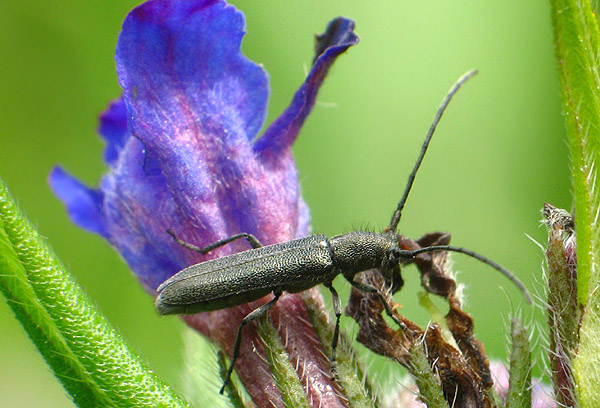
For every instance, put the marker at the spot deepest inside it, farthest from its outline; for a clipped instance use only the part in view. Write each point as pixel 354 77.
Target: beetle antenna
pixel 437 248
pixel 436 120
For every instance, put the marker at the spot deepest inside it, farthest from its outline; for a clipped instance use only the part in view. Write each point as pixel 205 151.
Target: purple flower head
pixel 183 154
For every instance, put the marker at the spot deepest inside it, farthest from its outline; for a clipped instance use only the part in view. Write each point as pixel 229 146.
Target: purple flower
pixel 183 154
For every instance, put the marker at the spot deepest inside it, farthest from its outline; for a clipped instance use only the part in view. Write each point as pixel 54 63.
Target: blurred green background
pixel 498 155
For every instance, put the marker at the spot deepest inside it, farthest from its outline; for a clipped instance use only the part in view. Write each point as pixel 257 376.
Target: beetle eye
pixel 392 257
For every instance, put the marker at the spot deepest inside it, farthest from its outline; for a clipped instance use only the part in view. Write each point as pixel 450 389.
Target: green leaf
pixel 576 36
pixel 577 40
pixel 86 354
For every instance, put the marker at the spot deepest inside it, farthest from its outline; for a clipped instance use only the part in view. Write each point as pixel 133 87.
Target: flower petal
pixel 113 129
pixel 83 203
pixel 188 52
pixel 139 208
pixel 195 102
pixel 282 133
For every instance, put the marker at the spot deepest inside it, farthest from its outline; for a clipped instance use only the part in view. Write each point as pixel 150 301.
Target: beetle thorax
pixel 360 250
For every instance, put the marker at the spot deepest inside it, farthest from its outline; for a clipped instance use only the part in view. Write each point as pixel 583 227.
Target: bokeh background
pixel 498 155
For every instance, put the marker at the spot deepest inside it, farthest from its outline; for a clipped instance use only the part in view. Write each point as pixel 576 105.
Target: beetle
pixel 300 264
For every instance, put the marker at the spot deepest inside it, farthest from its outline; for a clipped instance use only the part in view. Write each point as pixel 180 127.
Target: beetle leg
pixel 253 315
pixel 252 240
pixel 337 307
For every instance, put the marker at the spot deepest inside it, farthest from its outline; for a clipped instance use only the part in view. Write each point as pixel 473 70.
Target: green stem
pixel 86 354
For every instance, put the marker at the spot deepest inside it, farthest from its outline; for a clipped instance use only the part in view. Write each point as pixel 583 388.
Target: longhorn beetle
pixel 300 264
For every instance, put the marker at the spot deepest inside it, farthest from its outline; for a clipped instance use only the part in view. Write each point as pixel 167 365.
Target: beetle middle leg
pixel 252 240
pixel 253 315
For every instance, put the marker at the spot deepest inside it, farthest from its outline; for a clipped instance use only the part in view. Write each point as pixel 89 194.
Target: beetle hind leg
pixel 337 307
pixel 253 315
